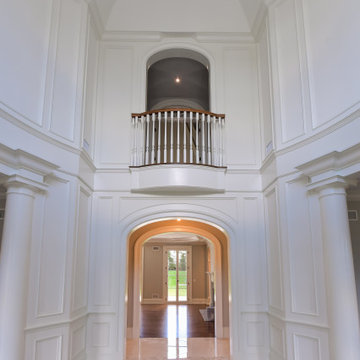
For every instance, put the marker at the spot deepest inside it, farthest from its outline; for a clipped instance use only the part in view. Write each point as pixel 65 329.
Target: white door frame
pixel 219 328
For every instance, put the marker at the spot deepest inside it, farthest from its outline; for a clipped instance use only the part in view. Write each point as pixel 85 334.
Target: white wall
pixel 113 211
pixel 314 66
pixel 42 65
pixel 122 90
pixel 59 271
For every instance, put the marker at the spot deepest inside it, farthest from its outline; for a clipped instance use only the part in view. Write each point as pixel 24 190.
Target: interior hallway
pixel 176 332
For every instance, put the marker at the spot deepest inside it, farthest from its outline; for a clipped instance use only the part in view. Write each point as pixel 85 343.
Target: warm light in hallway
pixel 178 80
pixel 178 219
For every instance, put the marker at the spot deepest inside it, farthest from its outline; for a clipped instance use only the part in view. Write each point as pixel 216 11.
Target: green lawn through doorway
pixel 172 283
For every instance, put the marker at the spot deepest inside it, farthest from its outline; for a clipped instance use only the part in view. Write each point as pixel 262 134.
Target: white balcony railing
pixel 178 136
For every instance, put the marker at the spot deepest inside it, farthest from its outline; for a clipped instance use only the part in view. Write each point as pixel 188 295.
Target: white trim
pixel 200 301
pixel 152 301
pixel 138 275
pixel 188 249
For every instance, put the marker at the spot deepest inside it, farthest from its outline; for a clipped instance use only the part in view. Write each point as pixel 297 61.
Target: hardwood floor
pixel 174 321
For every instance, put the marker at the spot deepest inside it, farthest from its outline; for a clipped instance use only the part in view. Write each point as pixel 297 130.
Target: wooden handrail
pixel 178 109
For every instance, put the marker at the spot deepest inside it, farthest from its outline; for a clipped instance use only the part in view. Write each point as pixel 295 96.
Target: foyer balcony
pixel 178 150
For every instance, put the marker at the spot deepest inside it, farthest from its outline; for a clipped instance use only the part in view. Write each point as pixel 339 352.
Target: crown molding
pixel 335 167
pixel 201 37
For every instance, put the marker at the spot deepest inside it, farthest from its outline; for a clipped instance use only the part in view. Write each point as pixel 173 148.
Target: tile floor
pixel 177 348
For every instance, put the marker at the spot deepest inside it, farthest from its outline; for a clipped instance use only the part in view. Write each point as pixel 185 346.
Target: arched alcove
pixel 178 78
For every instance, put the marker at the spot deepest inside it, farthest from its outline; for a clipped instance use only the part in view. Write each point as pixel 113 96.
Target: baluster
pixel 208 140
pixel 153 139
pixel 142 139
pixel 184 143
pixel 165 139
pixel 213 138
pixel 159 139
pixel 133 141
pixel 171 136
pixel 137 141
pixel 222 122
pixel 147 139
pixel 178 138
pixel 197 138
pixel 191 139
pixel 218 142
pixel 203 159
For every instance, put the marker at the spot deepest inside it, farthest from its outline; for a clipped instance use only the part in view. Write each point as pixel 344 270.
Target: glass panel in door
pixel 171 275
pixel 182 275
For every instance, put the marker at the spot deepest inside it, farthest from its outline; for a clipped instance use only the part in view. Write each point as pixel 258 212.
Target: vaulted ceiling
pixel 178 15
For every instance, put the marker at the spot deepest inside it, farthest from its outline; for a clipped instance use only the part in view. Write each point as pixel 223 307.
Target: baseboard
pixel 152 301
pixel 226 332
pixel 199 301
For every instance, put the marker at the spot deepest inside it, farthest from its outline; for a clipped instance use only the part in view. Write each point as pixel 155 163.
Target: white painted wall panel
pixel 289 96
pixel 306 348
pixel 78 340
pixel 266 108
pixel 255 255
pixel 53 251
pixel 90 90
pixel 301 253
pixel 49 348
pixel 24 39
pixel 114 134
pixel 80 276
pixel 277 339
pixel 274 252
pixel 241 106
pixel 332 38
pixel 64 118
pixel 101 253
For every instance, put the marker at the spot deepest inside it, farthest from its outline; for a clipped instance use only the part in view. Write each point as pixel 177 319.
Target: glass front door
pixel 177 275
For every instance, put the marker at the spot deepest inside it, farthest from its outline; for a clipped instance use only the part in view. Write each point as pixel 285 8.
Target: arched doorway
pixel 213 234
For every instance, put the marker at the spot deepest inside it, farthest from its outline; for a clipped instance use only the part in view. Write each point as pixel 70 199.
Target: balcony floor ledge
pixel 178 179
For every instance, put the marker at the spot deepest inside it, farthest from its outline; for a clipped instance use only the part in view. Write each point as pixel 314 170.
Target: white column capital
pixel 21 184
pixel 331 185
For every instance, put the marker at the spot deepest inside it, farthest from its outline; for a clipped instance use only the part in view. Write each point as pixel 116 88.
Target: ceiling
pixel 178 16
pixel 176 237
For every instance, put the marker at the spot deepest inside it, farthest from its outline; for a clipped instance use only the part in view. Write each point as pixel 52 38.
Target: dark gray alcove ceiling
pixel 191 90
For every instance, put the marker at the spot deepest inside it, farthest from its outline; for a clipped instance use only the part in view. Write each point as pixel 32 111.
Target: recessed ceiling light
pixel 178 80
pixel 178 219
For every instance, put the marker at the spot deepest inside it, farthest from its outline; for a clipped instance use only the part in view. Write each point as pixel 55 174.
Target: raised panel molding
pixel 303 289
pixel 241 106
pixel 306 348
pixel 78 341
pixel 277 339
pixel 64 119
pixel 80 278
pixel 50 296
pixel 274 250
pixel 114 105
pixel 332 62
pixel 102 253
pixel 49 348
pixel 255 254
pixel 47 343
pixel 288 80
pixel 23 78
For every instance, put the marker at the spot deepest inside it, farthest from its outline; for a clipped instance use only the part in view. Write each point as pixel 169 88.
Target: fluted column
pixel 343 314
pixel 14 268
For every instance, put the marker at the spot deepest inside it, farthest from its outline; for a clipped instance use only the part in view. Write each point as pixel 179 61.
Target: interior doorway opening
pixel 146 236
pixel 177 274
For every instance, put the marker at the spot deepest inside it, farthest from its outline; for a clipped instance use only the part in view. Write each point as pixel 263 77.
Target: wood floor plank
pixel 174 321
